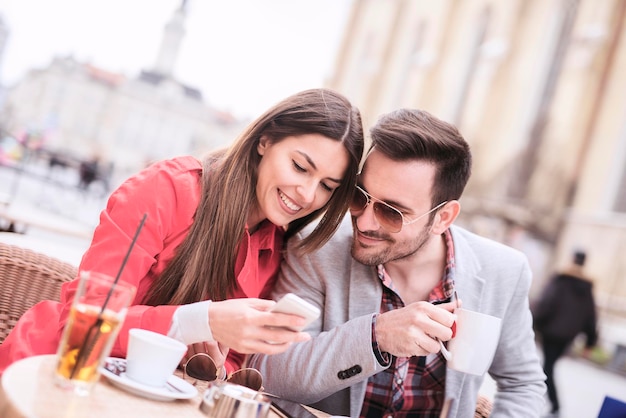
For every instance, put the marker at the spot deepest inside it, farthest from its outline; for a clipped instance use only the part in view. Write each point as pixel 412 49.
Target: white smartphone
pixel 295 305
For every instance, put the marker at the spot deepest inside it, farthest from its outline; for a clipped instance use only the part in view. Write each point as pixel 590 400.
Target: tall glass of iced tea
pixel 98 310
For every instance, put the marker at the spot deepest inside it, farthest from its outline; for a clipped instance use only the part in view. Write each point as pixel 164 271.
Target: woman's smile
pixel 290 204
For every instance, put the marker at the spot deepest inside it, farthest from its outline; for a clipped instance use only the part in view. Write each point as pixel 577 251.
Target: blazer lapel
pixel 469 286
pixel 366 292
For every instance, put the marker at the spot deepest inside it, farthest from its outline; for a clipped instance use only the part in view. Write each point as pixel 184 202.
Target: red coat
pixel 169 192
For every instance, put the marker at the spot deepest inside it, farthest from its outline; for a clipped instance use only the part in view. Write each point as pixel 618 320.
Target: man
pixel 375 349
pixel 565 309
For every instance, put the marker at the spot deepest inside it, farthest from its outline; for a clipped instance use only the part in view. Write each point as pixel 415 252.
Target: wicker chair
pixel 27 278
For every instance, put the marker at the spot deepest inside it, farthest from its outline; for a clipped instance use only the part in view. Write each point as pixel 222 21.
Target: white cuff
pixel 190 323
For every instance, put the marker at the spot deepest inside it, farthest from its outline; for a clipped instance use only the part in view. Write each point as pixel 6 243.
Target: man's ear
pixel 445 216
pixel 263 144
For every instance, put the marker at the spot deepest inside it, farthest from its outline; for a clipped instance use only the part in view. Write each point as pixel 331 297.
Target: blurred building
pixel 538 89
pixel 88 112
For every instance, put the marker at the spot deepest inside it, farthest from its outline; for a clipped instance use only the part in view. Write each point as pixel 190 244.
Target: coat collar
pixel 467 280
pixel 469 286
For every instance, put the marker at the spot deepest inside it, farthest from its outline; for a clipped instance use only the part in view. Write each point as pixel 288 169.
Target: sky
pixel 245 55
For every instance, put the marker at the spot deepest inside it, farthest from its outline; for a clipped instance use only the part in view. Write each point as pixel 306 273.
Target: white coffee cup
pixel 151 357
pixel 475 342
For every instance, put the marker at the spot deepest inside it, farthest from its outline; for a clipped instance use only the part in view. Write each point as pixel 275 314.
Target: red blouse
pixel 169 192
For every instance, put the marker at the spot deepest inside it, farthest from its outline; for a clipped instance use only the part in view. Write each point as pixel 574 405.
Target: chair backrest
pixel 27 277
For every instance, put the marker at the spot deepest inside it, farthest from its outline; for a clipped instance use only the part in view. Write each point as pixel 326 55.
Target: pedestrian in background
pixel 565 309
pixel 88 172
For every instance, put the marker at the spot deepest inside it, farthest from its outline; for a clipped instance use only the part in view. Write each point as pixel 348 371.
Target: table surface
pixel 28 391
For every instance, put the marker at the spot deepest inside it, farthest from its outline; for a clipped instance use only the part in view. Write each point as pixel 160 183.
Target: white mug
pixel 475 342
pixel 151 357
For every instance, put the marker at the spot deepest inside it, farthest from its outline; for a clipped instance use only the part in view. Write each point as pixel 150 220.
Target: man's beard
pixel 393 251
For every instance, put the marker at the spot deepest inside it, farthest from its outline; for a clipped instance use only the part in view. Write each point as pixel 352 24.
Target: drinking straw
pixel 90 340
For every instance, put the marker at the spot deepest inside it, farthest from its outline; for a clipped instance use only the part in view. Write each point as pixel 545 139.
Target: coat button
pixel 352 371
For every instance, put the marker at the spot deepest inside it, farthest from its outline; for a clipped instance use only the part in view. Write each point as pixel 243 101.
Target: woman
pixel 211 245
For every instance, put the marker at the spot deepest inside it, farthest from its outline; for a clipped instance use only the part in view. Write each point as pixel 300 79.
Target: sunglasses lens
pixel 201 367
pixel 389 218
pixel 359 201
pixel 250 378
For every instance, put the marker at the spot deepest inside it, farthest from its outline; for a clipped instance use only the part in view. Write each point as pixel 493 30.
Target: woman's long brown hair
pixel 204 264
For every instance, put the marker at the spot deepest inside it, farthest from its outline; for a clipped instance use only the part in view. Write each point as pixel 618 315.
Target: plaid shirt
pixel 411 386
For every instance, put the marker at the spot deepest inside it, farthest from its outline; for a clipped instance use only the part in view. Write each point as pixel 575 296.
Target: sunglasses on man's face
pixel 386 215
pixel 201 366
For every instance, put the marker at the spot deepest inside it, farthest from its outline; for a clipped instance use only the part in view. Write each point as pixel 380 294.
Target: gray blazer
pixel 330 372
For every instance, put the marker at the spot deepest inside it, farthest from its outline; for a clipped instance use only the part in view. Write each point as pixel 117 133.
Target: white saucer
pixel 114 370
